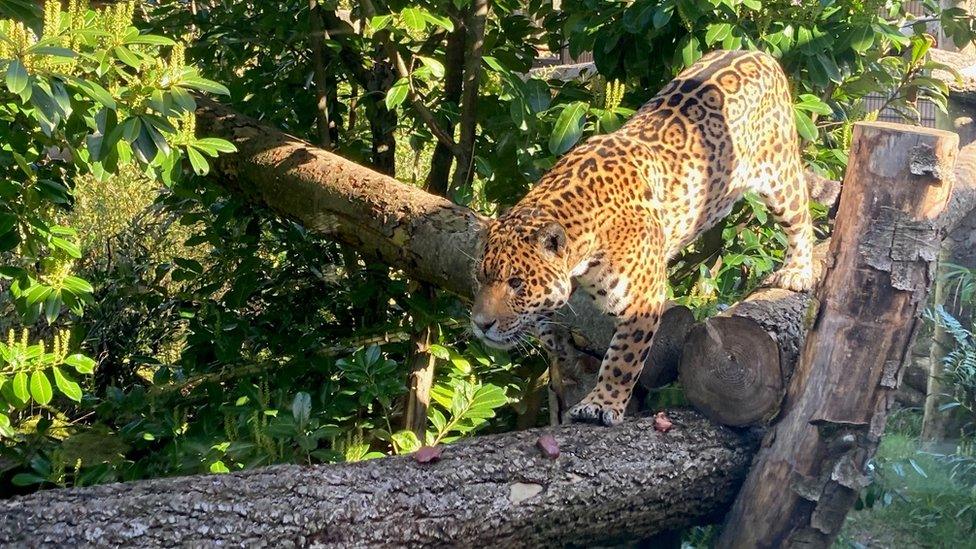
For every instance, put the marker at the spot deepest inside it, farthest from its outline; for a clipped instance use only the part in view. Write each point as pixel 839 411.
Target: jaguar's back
pixel 723 126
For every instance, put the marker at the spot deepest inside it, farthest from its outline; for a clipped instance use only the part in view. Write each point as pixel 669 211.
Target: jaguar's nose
pixel 484 324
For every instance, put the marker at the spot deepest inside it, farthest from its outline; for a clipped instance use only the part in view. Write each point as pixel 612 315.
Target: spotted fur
pixel 612 212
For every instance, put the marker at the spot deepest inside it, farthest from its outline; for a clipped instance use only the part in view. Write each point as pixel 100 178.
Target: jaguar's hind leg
pixel 787 199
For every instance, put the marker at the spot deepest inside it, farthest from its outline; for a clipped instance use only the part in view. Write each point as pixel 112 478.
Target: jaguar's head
pixel 524 274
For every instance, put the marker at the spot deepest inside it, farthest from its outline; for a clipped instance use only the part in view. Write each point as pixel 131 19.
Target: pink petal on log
pixel 427 454
pixel 662 423
pixel 549 446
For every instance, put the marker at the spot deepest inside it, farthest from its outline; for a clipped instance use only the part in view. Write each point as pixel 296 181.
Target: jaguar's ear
pixel 552 237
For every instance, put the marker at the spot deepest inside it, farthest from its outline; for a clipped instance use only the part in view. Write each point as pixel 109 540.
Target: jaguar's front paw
pixel 602 414
pixel 798 279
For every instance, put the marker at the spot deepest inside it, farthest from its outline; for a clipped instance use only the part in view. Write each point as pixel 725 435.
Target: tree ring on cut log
pixel 731 371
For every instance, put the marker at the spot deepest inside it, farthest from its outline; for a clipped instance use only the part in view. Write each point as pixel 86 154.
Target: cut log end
pixel 731 371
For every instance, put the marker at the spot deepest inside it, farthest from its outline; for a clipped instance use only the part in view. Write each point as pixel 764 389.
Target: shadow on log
pixel 606 486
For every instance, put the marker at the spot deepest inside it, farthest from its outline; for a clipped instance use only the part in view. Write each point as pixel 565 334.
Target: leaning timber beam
pixel 605 486
pixel 880 265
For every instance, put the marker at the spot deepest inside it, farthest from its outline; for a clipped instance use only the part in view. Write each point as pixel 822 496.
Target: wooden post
pixel 878 270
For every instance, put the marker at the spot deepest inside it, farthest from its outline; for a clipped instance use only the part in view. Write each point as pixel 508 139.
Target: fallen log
pixel 736 365
pixel 605 486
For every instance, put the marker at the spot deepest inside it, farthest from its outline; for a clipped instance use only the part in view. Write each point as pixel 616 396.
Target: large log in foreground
pixel 606 485
pixel 881 262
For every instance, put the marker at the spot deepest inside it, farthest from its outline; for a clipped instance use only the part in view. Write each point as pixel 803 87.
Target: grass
pixel 919 498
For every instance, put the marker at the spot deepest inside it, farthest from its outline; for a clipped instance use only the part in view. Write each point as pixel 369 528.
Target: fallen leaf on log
pixel 427 454
pixel 549 446
pixel 662 423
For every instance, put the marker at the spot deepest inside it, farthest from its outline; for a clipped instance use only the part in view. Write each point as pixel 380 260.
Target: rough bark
pixel 606 486
pixel 881 262
pixel 443 157
pixel 419 384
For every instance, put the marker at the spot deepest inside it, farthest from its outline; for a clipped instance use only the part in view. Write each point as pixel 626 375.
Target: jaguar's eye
pixel 515 283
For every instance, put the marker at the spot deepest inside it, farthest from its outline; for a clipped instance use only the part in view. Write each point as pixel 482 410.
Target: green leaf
pixel 53 51
pixel 67 387
pixel 219 467
pixel 439 21
pixel 16 76
pixel 440 352
pixel 689 50
pixel 38 293
pixel 804 125
pixel 183 99
pixel 861 38
pixel 68 247
pixel 301 408
pixel 204 85
pixel 754 5
pixel 537 95
pixel 81 363
pixel 662 16
pixel 380 22
pixel 812 103
pixel 40 387
pixel 52 307
pixel 397 94
pixel 406 441
pixel 830 68
pixel 151 39
pixel 435 66
pixel 127 56
pixel 568 129
pixel 26 479
pixel 77 285
pixel 216 144
pixel 717 32
pixel 197 161
pixel 19 386
pixel 191 265
pixel 413 18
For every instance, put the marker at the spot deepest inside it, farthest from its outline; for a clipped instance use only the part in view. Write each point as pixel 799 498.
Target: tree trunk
pixel 475 24
pixel 934 419
pixel 606 486
pixel 422 368
pixel 881 262
pixel 443 157
pixel 318 66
